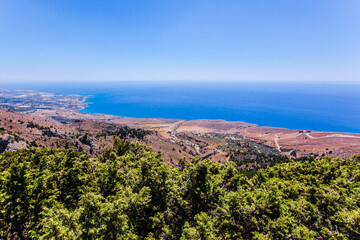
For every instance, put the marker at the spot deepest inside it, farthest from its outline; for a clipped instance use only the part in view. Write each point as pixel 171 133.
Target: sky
pixel 180 40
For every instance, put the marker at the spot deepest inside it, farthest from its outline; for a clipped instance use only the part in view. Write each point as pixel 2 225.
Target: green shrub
pixel 129 193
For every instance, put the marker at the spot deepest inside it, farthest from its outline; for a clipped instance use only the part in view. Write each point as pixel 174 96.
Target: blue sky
pixel 168 40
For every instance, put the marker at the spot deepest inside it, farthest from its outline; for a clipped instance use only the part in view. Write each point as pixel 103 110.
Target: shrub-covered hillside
pixel 128 193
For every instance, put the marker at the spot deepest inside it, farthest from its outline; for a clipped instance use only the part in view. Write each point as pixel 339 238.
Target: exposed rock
pixel 7 145
pixel 15 146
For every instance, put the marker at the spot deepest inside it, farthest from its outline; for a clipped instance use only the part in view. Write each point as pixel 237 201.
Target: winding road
pixel 278 147
pixel 331 135
pixel 276 142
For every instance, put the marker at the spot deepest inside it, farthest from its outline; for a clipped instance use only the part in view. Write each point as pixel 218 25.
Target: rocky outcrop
pixel 7 145
pixel 15 146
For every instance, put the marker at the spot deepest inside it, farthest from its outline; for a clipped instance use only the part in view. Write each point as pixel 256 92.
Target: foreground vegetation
pixel 128 193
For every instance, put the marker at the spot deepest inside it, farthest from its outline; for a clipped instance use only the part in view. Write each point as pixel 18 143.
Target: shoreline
pixel 66 109
pixel 82 102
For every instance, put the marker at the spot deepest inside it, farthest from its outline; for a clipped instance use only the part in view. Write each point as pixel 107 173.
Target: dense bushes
pixel 128 193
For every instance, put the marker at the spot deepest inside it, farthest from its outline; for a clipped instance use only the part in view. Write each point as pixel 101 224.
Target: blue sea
pixel 310 106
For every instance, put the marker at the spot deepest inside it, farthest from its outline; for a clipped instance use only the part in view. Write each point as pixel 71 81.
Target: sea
pixel 304 106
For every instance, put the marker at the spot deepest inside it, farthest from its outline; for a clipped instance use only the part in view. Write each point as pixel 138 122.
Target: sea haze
pixel 325 107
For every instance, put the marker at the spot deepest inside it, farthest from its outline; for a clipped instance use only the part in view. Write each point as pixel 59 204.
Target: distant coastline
pixel 323 111
pixel 66 110
pixel 293 106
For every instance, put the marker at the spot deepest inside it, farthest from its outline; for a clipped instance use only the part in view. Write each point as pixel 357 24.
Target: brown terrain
pixel 35 119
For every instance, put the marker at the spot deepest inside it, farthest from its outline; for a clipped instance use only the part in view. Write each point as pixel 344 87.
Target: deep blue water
pixel 325 107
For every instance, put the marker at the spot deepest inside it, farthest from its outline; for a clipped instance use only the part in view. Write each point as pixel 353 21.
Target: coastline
pixel 321 107
pixel 65 109
pixel 104 110
pixel 83 104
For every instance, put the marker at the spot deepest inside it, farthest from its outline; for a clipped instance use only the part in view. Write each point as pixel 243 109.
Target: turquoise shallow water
pixel 326 107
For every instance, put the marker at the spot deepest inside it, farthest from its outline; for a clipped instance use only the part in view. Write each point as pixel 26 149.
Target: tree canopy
pixel 129 193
